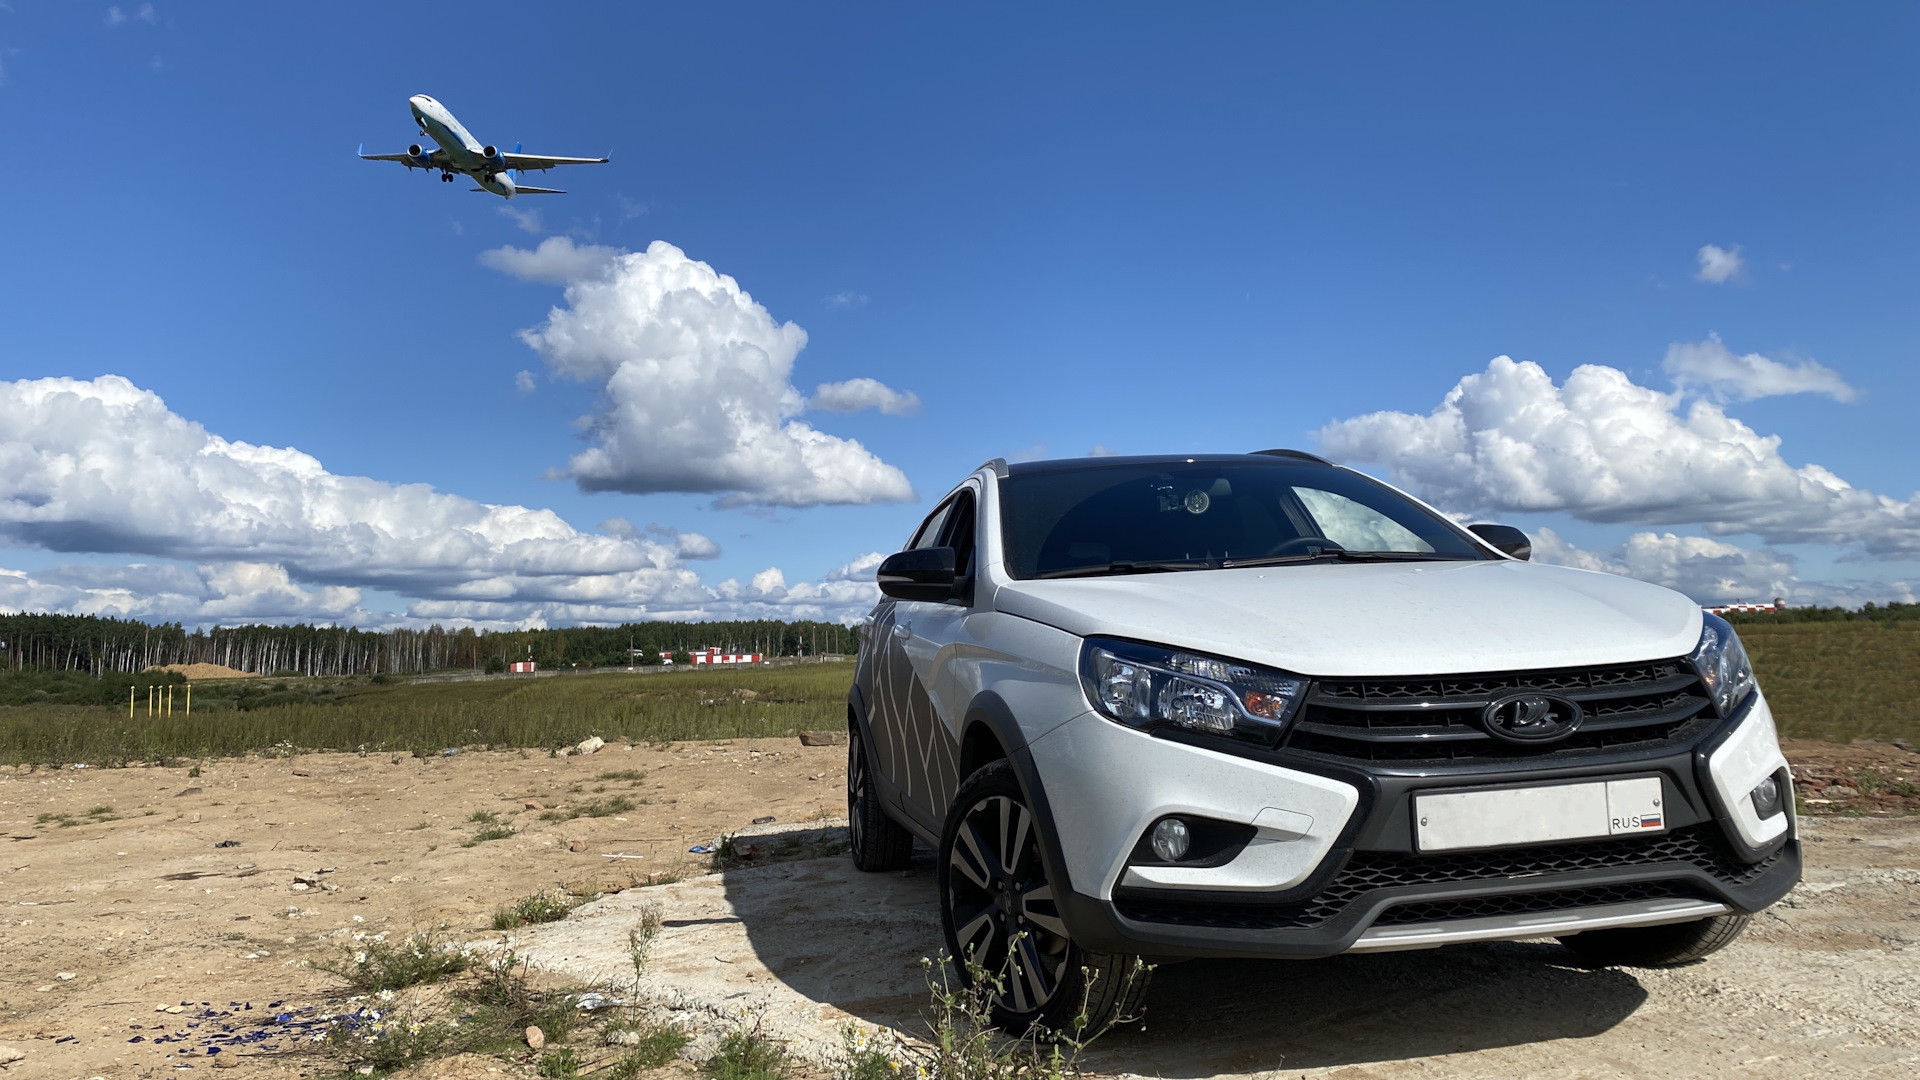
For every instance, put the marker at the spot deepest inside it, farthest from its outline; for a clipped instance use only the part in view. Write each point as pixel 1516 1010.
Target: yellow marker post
pixel 189 700
pixel 169 699
pixel 150 689
pixel 129 701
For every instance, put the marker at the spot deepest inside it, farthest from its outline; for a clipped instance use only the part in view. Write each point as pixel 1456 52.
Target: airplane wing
pixel 545 161
pixel 522 189
pixel 434 160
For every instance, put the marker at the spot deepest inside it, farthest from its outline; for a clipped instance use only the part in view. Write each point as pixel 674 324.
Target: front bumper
pixel 1341 874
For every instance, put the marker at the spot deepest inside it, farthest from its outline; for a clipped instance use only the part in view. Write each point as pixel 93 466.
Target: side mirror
pixel 1506 539
pixel 921 574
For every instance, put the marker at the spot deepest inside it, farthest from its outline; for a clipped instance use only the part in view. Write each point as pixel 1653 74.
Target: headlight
pixel 1147 686
pixel 1722 663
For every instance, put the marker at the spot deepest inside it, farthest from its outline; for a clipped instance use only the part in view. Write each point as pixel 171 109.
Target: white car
pixel 1262 705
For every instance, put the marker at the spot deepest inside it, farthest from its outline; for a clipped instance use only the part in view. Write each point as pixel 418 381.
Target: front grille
pixel 1437 719
pixel 1369 871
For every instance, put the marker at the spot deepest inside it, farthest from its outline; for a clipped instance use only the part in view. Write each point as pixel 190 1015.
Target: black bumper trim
pixel 1098 926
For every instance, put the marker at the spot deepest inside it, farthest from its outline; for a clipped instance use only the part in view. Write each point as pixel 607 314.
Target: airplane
pixel 460 152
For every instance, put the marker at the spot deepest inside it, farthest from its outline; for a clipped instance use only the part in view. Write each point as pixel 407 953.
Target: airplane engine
pixel 490 151
pixel 415 151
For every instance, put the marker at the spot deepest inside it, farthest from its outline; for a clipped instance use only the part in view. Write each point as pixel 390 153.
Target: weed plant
pixel 370 964
pixel 529 910
pixel 538 714
pixel 749 1053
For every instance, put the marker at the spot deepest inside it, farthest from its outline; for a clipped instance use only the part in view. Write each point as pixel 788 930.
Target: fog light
pixel 1170 839
pixel 1766 797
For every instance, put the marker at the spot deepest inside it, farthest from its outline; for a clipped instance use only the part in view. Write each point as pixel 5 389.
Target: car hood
pixel 1359 619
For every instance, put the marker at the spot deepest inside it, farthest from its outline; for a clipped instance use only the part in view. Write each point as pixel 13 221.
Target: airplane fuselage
pixel 463 153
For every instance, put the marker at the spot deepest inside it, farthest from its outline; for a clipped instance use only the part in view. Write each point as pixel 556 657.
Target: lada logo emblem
pixel 1531 719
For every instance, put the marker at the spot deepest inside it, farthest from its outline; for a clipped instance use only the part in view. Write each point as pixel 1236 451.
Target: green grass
pixel 541 714
pixel 528 910
pixel 1839 681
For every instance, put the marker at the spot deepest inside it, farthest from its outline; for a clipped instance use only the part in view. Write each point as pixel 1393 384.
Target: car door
pixel 898 707
pixel 925 635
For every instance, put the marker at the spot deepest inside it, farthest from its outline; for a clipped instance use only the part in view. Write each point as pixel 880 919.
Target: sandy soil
pixel 107 917
pixel 139 907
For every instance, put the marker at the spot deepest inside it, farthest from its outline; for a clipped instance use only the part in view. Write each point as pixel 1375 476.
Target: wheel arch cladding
pixel 993 734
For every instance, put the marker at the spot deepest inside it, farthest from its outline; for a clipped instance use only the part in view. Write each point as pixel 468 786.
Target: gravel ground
pixel 1826 981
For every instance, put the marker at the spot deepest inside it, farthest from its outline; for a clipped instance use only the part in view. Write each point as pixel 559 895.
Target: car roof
pixel 1260 457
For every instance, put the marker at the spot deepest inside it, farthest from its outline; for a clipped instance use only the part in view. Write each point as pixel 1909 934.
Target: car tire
pixel 878 842
pixel 1657 946
pixel 996 899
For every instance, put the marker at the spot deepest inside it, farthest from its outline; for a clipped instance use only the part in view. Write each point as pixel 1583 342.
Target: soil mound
pixel 205 671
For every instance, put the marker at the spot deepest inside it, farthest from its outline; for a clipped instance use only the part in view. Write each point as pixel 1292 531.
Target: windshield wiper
pixel 1151 567
pixel 1344 555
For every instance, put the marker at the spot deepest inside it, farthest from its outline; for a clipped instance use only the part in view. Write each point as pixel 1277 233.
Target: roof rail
pixel 998 465
pixel 1300 455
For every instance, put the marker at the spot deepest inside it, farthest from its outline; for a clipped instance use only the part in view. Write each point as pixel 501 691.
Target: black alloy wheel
pixel 1003 922
pixel 878 842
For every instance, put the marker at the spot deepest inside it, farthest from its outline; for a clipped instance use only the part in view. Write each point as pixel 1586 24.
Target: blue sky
pixel 1144 229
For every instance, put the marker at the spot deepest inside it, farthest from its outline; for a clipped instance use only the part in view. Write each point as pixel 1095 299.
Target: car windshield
pixel 1144 517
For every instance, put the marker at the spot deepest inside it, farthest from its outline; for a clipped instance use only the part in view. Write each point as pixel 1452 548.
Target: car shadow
pixel 852 944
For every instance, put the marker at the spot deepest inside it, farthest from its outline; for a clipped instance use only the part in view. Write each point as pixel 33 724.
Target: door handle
pixel 902 630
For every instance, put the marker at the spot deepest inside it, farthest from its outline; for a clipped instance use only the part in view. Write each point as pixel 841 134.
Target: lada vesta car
pixel 1262 705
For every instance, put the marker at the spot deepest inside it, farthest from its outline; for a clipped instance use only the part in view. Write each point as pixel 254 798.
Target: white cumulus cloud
pixel 524 382
pixel 557 261
pixel 696 390
pixel 104 467
pixel 1604 449
pixel 217 593
pixel 1709 365
pixel 1715 572
pixel 1719 265
pixel 854 395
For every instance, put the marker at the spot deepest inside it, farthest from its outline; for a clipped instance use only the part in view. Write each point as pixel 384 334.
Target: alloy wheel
pixel 1002 907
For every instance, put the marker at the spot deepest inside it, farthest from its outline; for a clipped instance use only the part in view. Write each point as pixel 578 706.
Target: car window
pixel 959 533
pixel 928 534
pixel 1087 517
pixel 1356 527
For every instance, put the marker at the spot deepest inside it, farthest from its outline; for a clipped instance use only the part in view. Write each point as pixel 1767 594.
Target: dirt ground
pixel 134 940
pixel 106 917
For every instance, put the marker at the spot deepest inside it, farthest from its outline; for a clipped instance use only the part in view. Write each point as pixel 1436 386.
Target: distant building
pixel 1748 609
pixel 522 667
pixel 715 656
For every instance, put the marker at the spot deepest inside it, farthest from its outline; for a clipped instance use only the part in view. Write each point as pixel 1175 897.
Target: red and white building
pixel 521 667
pixel 1747 609
pixel 715 656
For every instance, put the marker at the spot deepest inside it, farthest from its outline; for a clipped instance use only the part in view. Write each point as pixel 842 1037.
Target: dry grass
pixel 357 714
pixel 1840 681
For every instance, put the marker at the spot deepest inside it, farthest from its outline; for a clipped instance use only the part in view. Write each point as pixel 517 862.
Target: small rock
pixel 365 1070
pixel 226 1062
pixel 64 976
pixel 577 844
pixel 299 886
pixel 743 849
pixel 10 1054
pixel 1840 791
pixel 306 879
pixel 534 804
pixel 186 791
pixel 536 1038
pixel 768 820
pixel 623 1038
pixel 301 772
pixel 227 843
pixel 589 746
pixel 823 738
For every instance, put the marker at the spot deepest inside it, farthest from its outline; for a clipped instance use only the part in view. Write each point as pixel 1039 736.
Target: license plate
pixel 1502 817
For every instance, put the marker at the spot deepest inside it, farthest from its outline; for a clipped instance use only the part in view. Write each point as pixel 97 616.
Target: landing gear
pixel 446 177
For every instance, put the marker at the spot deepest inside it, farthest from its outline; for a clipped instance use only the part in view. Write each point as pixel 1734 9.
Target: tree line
pixel 103 646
